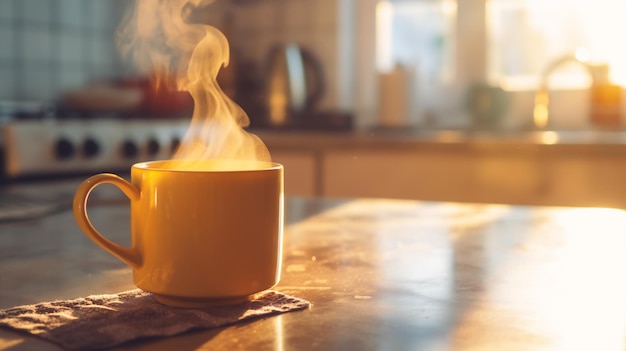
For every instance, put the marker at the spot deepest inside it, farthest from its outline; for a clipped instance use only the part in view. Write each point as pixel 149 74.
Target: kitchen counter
pixel 380 274
pixel 412 137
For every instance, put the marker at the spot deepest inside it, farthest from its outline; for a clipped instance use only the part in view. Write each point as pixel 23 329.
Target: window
pixel 525 36
pixel 415 41
pixel 418 34
pixel 453 46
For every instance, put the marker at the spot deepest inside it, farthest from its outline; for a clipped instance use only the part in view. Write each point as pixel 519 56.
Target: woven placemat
pixel 102 321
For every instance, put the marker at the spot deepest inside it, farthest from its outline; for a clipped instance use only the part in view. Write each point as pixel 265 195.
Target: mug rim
pixel 152 166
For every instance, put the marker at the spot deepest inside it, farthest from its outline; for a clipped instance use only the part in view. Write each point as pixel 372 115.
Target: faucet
pixel 541 111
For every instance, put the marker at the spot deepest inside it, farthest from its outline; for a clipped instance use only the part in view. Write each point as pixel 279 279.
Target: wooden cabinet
pixel 300 171
pixel 587 178
pixel 394 174
pixel 466 171
pixel 486 175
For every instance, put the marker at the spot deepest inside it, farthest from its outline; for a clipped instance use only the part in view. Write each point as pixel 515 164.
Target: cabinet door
pixel 430 174
pixel 299 171
pixel 591 179
pixel 393 174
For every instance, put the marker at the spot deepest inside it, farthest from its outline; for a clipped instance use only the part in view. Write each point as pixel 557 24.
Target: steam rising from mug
pixel 156 35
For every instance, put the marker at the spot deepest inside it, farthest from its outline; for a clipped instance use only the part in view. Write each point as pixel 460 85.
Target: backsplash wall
pixel 321 26
pixel 49 46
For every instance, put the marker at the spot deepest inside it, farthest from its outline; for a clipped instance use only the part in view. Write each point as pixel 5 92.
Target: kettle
pixel 295 83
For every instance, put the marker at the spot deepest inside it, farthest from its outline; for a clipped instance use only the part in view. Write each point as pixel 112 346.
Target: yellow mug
pixel 198 237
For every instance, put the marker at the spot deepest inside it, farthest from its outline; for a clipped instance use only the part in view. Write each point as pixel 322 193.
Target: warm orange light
pixel 549 138
pixel 540 112
pixel 582 54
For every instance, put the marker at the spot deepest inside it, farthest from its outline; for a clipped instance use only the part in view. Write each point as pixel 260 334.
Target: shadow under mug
pixel 198 237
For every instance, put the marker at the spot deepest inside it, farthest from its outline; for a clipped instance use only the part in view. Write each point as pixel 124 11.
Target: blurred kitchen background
pixel 510 101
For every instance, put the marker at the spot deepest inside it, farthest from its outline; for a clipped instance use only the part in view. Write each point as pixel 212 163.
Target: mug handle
pixel 128 255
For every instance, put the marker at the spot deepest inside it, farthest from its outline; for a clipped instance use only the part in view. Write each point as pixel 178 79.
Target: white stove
pixel 46 147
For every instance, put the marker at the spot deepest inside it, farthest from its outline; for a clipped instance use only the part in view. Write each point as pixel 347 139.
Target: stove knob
pixel 91 148
pixel 129 149
pixel 63 149
pixel 153 147
pixel 174 145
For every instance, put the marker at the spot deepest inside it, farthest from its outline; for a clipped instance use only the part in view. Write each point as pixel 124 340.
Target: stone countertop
pixel 381 274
